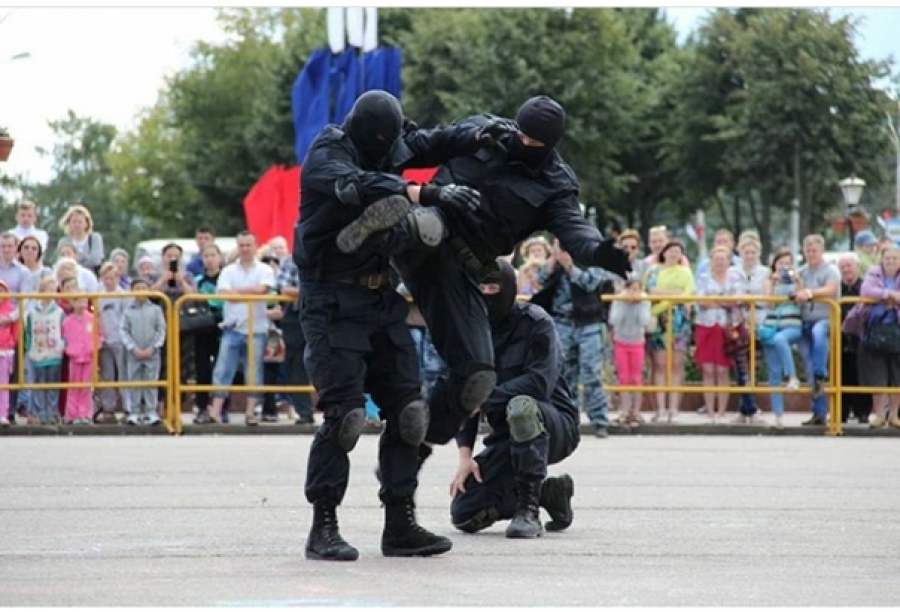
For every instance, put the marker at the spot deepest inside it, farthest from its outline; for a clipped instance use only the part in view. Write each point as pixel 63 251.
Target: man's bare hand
pixel 458 484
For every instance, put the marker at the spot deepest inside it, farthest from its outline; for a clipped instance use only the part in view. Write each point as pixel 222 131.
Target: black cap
pixel 373 125
pixel 542 118
pixel 501 304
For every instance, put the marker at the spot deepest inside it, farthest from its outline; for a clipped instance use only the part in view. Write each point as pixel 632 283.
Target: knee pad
pixel 476 388
pixel 413 422
pixel 350 428
pixel 427 226
pixel 525 419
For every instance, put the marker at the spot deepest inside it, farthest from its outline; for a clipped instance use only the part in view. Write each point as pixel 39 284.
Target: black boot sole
pixel 314 556
pixel 378 216
pixel 437 548
pixel 523 535
pixel 556 524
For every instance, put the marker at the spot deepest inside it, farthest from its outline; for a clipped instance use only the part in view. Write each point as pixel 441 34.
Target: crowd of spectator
pixel 714 336
pixel 123 338
pixel 120 338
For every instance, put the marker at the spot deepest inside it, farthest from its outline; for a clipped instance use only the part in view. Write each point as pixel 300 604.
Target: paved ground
pixel 688 423
pixel 221 520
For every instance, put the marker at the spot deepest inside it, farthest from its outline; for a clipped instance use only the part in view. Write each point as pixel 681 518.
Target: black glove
pixel 493 130
pixel 409 125
pixel 613 259
pixel 454 196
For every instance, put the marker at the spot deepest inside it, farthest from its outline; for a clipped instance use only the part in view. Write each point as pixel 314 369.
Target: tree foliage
pixel 759 107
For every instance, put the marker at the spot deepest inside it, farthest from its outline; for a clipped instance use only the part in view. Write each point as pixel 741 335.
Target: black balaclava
pixel 501 304
pixel 373 125
pixel 543 119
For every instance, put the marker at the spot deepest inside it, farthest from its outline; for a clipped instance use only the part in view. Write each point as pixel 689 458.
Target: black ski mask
pixel 543 119
pixel 373 125
pixel 501 303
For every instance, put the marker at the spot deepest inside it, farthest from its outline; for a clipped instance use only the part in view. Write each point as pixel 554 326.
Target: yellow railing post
pixel 252 386
pixel 835 399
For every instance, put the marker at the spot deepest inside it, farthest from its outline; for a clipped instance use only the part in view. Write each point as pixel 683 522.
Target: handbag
pixel 766 332
pixel 195 317
pixel 737 336
pixel 883 334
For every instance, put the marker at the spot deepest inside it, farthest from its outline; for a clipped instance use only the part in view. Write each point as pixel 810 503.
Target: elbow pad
pixel 347 191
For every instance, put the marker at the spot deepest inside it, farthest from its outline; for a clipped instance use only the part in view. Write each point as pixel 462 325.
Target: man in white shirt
pixel 245 277
pixel 26 217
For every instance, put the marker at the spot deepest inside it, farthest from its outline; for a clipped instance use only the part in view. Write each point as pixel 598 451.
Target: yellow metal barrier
pixel 857 390
pixel 179 387
pixel 95 383
pixel 751 301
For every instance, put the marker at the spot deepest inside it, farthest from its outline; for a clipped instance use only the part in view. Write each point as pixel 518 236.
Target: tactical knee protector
pixel 413 422
pixel 350 428
pixel 476 388
pixel 427 226
pixel 526 421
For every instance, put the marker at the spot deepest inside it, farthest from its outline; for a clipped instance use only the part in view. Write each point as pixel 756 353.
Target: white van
pixel 154 248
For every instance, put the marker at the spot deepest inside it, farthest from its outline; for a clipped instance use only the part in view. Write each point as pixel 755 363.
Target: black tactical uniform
pixel 533 419
pixel 523 190
pixel 354 323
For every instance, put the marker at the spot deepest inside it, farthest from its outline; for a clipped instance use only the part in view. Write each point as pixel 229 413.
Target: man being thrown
pixel 524 186
pixel 354 320
pixel 533 419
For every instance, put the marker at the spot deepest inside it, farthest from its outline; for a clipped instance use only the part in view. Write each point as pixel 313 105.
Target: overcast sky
pixel 108 63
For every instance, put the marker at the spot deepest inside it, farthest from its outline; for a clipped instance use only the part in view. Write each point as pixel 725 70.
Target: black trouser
pixel 504 461
pixel 294 368
pixel 206 350
pixel 859 405
pixel 270 379
pixel 456 315
pixel 357 343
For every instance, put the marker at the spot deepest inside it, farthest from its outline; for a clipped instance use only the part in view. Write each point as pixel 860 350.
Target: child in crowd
pixel 44 350
pixel 112 351
pixel 143 334
pixel 78 334
pixel 630 320
pixel 9 333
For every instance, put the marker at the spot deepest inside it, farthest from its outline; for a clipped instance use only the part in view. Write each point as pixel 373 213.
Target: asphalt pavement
pixel 221 520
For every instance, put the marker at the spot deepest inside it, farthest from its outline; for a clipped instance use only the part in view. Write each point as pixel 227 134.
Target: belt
pixel 369 281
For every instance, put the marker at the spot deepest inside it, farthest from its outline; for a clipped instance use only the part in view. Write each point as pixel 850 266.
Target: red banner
pixel 272 206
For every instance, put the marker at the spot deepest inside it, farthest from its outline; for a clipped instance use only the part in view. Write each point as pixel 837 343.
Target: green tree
pixel 82 176
pixel 776 104
pixel 151 179
pixel 460 62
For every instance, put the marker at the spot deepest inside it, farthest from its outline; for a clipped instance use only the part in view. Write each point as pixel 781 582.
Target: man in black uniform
pixel 354 321
pixel 525 186
pixel 533 419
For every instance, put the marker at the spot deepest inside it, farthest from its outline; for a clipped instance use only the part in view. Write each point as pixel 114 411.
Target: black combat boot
pixel 325 542
pixel 556 499
pixel 482 520
pixel 527 521
pixel 403 537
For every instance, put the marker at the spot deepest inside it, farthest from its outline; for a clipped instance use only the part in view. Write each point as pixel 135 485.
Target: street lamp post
pixel 852 189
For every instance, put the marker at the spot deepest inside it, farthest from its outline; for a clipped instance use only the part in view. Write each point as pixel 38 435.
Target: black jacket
pixel 334 190
pixel 529 361
pixel 587 307
pixel 515 204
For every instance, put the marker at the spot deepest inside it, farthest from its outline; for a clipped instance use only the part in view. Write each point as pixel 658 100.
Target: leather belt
pixel 369 281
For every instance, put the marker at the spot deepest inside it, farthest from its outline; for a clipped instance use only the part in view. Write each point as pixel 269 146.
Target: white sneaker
pixel 4 422
pixel 153 419
pixel 132 419
pixel 793 384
